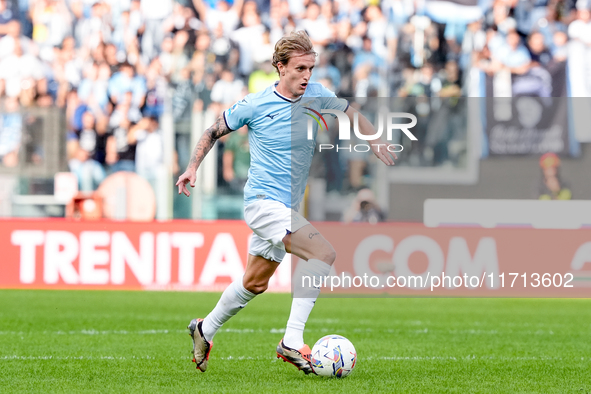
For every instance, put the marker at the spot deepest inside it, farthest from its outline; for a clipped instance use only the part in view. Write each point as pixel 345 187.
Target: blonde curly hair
pixel 297 42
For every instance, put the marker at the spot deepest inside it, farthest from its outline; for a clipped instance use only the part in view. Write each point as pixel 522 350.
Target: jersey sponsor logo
pixel 271 116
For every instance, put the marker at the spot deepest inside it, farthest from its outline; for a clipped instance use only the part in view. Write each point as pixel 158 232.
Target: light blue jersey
pixel 280 151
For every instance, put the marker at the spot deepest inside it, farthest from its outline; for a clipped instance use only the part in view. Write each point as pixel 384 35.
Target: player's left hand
pixel 380 149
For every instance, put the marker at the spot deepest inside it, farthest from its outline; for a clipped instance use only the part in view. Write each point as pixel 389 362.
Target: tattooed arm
pixel 206 142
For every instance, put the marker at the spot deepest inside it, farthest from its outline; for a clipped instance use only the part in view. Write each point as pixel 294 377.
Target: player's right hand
pixel 382 152
pixel 187 177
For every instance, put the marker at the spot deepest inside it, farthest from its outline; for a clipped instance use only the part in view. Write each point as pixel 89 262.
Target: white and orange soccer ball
pixel 333 356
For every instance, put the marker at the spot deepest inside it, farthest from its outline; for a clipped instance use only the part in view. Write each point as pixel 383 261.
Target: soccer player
pixel 281 155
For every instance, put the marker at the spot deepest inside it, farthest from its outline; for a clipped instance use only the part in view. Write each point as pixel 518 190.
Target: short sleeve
pixel 331 101
pixel 239 114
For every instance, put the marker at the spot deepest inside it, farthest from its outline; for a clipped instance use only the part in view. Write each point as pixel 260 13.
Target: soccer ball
pixel 333 356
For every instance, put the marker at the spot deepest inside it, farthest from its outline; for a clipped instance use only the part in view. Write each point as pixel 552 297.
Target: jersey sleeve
pixel 239 114
pixel 331 101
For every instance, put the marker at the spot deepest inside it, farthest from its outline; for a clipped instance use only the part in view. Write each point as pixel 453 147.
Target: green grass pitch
pixel 95 341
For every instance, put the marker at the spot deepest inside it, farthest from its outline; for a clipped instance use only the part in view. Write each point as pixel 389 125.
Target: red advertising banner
pixel 399 259
pixel 174 255
pixel 413 260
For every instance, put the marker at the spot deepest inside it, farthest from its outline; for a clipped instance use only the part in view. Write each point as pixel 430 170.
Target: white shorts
pixel 271 221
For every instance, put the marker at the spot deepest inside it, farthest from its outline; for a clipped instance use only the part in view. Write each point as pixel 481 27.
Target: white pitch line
pixel 93 332
pixel 322 331
pixel 466 358
pixel 273 359
pixel 141 332
pixel 16 357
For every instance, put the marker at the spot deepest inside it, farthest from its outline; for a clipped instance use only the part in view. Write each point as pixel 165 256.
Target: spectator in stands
pixel 227 90
pixel 528 14
pixel 540 55
pixel 86 153
pixel 550 25
pixel 11 124
pixel 514 55
pixel 378 32
pixel 366 56
pixel 248 38
pixel 10 39
pixel 499 17
pixel 454 36
pixel 424 85
pixel 149 152
pixel 364 209
pixel 203 86
pixel 473 42
pixel 121 148
pixel 92 91
pixel 124 31
pixel 89 173
pixel 326 70
pixel 91 138
pixel 156 90
pixel 579 32
pixel 165 55
pixel 551 186
pixel 405 46
pixel 111 57
pixel 580 28
pixel 450 81
pixel 125 109
pixel 178 58
pixel 182 18
pixel 236 160
pixel 317 27
pixel 97 52
pixel 6 16
pixel 126 80
pixel 137 20
pixel 560 47
pixel 154 12
pixel 220 12
pixel 263 77
pixel 264 52
pixel 94 29
pixel 182 96
pixel 67 70
pixel 367 68
pixel 52 23
pixel 221 47
pixel 20 73
pixel 398 12
pixel 342 57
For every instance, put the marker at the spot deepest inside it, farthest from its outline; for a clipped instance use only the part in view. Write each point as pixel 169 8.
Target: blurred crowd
pixel 109 63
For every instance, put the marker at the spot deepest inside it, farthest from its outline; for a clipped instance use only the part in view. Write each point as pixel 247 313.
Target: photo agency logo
pixel 344 125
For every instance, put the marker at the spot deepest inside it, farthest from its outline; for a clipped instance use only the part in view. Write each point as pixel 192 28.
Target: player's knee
pixel 328 255
pixel 287 242
pixel 256 287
